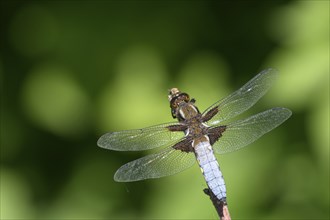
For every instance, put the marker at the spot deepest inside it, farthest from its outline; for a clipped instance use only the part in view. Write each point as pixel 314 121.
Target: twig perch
pixel 220 205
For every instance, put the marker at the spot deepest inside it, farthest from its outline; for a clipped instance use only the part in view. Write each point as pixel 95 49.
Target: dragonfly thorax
pixel 188 111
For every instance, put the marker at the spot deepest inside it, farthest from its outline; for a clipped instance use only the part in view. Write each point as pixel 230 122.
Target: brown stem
pixel 219 205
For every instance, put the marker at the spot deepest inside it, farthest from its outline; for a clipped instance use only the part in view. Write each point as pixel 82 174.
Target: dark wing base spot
pixel 209 115
pixel 184 146
pixel 177 127
pixel 215 133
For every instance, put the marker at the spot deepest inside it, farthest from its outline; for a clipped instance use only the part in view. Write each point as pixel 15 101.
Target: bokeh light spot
pixel 137 96
pixel 15 197
pixel 54 100
pixel 303 58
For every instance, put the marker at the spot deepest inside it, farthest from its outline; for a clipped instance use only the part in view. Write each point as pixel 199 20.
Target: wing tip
pixel 272 73
pixel 101 141
pixel 106 142
pixel 118 179
pixel 270 69
pixel 284 111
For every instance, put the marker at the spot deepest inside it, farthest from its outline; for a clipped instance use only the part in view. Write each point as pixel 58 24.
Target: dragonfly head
pixel 175 97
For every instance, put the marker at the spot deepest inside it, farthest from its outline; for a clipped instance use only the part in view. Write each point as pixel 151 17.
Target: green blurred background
pixel 73 70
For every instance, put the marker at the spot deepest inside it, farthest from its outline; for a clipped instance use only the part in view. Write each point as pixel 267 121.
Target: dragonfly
pixel 197 136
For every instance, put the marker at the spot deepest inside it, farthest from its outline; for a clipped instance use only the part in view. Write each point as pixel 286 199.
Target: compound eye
pixel 186 98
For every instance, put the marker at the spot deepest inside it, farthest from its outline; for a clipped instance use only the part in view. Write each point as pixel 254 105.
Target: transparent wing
pixel 167 162
pixel 140 139
pixel 244 98
pixel 241 133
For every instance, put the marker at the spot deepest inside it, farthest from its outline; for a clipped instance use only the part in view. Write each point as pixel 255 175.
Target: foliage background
pixel 73 70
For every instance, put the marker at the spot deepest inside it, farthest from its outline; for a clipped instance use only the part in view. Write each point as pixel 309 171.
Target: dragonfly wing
pixel 167 162
pixel 242 99
pixel 140 139
pixel 243 132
